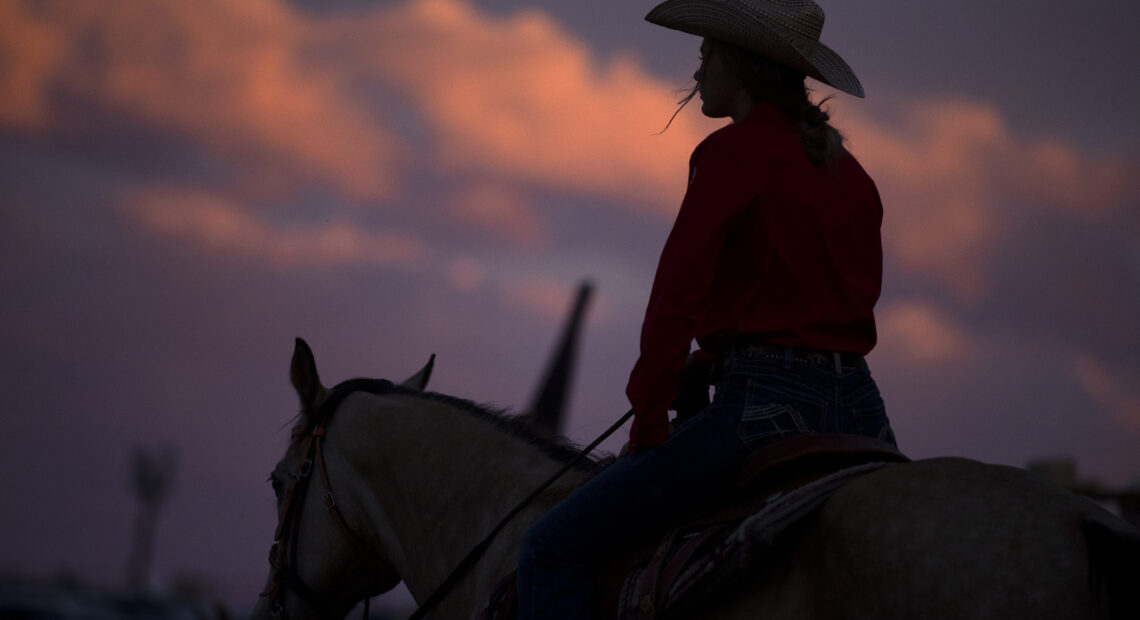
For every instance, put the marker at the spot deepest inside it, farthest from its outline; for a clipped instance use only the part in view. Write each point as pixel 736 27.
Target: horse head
pixel 325 558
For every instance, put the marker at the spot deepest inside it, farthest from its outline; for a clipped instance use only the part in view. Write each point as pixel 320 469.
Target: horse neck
pixel 440 479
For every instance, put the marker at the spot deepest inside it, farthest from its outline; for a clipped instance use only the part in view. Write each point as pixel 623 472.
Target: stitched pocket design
pixel 764 422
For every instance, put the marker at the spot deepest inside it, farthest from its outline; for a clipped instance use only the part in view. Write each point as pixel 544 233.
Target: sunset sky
pixel 187 186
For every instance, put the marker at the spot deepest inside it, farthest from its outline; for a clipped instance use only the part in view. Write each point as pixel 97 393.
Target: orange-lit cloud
pixel 1118 397
pixel 288 98
pixel 237 78
pixel 509 104
pixel 537 295
pixel 922 333
pixel 522 99
pixel 215 222
pixel 947 172
pixel 499 212
pixel 466 274
pixel 932 181
pixel 32 49
pixel 516 98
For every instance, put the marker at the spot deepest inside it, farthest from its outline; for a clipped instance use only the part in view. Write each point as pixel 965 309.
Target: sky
pixel 185 187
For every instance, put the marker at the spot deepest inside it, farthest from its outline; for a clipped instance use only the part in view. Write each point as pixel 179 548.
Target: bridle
pixel 283 554
pixel 283 557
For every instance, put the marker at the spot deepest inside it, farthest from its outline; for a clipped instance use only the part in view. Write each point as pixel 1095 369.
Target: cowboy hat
pixel 786 31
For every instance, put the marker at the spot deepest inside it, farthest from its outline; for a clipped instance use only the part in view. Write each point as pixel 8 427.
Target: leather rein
pixel 283 554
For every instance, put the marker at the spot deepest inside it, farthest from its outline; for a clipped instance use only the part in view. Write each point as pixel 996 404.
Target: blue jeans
pixel 758 400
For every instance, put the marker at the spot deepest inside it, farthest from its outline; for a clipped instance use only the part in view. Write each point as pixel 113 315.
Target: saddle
pixel 780 485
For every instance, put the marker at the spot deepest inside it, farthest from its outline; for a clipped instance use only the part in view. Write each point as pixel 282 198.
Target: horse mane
pixel 557 448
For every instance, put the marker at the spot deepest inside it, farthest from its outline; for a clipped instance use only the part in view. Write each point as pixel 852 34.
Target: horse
pixel 404 482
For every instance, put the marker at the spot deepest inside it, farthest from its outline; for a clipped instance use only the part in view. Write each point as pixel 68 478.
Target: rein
pixel 477 551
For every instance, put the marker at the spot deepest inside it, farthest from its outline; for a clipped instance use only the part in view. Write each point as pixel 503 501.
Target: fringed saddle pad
pixel 692 564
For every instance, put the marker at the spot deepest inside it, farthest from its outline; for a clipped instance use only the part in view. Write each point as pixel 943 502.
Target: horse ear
pixel 419 380
pixel 303 375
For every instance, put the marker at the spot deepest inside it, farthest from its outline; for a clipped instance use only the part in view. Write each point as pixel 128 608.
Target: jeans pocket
pixel 765 422
pixel 868 414
pixel 775 410
pixel 873 422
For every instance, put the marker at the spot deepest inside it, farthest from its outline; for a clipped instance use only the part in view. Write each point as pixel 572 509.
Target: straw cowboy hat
pixel 786 31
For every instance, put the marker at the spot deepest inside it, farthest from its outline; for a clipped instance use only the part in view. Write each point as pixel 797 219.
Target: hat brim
pixel 723 21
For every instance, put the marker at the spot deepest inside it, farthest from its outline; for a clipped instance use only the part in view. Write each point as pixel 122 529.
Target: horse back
pixel 966 539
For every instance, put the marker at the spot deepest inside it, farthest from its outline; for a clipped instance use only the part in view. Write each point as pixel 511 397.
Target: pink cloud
pixel 215 221
pixel 33 49
pixel 238 78
pixel 947 171
pixel 514 103
pixel 466 274
pixel 499 212
pixel 278 95
pixel 520 98
pixel 1116 396
pixel 1054 173
pixel 542 296
pixel 921 333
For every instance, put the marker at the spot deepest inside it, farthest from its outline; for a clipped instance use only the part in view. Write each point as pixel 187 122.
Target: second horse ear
pixel 419 380
pixel 303 375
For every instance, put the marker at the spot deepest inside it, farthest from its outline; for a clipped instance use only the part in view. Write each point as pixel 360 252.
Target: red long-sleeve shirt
pixel 767 246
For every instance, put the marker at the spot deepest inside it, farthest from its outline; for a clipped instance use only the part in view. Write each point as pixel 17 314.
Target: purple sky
pixel 187 186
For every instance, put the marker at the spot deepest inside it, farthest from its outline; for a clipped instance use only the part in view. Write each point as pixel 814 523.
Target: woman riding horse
pixel 774 266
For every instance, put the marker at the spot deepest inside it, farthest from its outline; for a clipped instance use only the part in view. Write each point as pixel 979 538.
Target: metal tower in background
pixel 152 481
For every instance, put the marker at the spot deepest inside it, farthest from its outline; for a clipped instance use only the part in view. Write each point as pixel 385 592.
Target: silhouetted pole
pixel 152 480
pixel 548 407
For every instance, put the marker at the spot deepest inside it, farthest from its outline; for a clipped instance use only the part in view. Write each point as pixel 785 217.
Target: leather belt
pixel 815 357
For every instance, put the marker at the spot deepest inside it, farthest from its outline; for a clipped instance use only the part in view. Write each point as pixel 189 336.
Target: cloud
pixel 466 274
pixel 280 102
pixel 520 98
pixel 239 79
pixel 1056 175
pixel 498 212
pixel 215 221
pixel 364 101
pixel 264 85
pixel 920 332
pixel 32 49
pixel 956 181
pixel 516 99
pixel 536 294
pixel 1118 398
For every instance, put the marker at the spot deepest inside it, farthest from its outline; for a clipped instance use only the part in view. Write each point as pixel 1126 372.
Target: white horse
pixel 385 483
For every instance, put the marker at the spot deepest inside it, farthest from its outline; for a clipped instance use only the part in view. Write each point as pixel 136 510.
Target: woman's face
pixel 722 93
